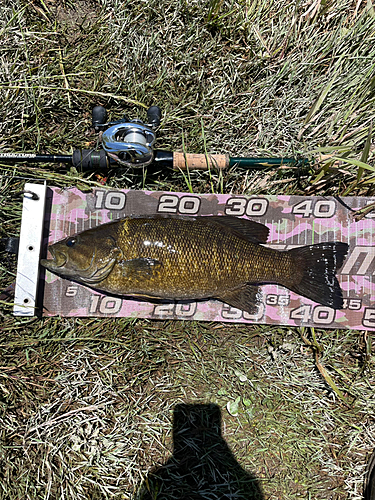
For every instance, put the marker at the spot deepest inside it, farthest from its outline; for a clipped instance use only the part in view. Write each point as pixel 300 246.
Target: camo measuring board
pixel 292 220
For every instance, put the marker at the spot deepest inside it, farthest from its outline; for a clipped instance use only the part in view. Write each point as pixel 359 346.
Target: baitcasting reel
pixel 128 142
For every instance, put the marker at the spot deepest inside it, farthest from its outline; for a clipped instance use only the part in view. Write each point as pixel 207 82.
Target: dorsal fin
pixel 252 231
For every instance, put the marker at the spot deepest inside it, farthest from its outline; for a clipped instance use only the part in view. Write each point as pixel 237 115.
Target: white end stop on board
pixel 25 294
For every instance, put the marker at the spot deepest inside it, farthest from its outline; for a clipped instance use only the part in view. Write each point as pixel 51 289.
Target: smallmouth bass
pixel 194 258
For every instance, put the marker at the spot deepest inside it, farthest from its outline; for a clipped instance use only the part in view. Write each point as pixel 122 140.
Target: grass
pixel 87 405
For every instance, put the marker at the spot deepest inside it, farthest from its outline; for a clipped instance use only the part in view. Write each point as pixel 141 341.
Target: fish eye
pixel 71 242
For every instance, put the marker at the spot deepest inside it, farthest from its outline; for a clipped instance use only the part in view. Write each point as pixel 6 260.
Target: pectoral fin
pixel 246 298
pixel 142 268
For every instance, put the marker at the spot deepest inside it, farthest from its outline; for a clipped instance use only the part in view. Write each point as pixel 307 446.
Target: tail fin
pixel 319 264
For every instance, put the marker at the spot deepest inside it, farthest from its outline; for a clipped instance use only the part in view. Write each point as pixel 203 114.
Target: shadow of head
pixel 202 465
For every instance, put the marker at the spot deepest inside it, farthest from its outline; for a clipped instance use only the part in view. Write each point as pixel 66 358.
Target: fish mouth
pixel 59 259
pixel 61 264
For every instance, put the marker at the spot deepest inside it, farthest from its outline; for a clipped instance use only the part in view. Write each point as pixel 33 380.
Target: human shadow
pixel 202 465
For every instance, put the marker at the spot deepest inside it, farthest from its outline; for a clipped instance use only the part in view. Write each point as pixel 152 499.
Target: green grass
pixel 86 405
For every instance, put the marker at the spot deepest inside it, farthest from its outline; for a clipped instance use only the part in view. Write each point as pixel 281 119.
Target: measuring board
pixel 293 221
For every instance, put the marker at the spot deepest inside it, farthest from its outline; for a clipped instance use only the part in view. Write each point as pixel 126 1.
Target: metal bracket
pixel 29 249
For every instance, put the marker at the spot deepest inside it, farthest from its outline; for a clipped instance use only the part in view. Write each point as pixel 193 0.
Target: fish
pixel 191 258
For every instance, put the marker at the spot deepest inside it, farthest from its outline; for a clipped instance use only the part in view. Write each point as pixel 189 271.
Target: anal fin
pixel 246 298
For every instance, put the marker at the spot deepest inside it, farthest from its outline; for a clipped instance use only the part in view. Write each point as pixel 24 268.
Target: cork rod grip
pixel 199 161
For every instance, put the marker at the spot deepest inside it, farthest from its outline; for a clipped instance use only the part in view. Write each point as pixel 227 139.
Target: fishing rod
pixel 129 143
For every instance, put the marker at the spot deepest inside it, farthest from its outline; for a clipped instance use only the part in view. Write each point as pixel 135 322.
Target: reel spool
pixel 128 142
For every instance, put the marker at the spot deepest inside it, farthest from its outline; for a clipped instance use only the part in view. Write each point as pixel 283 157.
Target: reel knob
pixel 99 117
pixel 154 116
